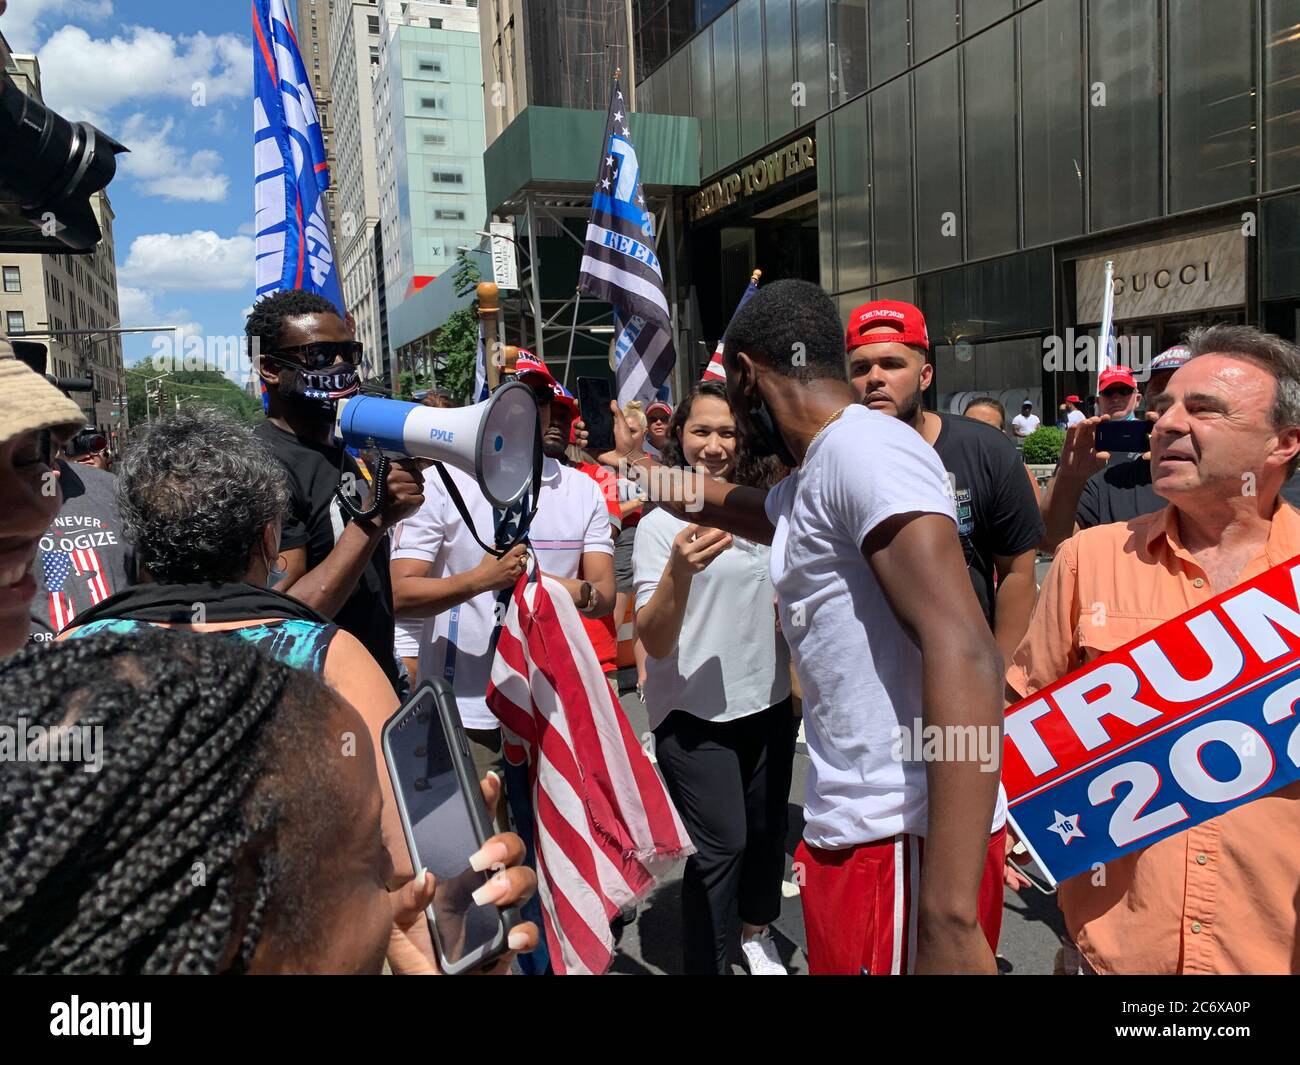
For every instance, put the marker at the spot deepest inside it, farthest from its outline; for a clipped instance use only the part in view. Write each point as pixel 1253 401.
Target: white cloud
pixel 22 17
pixel 199 261
pixel 135 306
pixel 247 229
pixel 164 170
pixel 84 76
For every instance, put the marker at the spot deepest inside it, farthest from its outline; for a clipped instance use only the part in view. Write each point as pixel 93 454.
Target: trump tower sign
pixel 1172 729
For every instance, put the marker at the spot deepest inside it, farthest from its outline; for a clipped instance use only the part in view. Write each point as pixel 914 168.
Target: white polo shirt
pixel 571 519
pixel 859 669
pixel 729 661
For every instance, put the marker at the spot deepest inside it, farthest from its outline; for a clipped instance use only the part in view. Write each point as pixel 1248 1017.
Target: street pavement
pixel 651 943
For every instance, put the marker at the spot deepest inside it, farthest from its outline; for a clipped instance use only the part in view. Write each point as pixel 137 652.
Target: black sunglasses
pixel 1122 390
pixel 320 354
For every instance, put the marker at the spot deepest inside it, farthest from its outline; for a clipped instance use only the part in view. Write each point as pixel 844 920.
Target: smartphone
pixel 593 404
pixel 1133 435
pixel 444 820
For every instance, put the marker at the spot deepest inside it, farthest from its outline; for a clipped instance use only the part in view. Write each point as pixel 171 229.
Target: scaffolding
pixel 548 326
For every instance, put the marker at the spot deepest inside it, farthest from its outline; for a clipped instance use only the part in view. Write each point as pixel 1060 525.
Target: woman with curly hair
pixel 202 501
pixel 226 827
pixel 717 691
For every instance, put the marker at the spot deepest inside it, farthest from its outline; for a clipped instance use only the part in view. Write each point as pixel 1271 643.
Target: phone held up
pixel 1132 436
pixel 594 397
pixel 445 820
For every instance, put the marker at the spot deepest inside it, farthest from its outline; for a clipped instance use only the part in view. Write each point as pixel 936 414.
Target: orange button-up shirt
pixel 1218 898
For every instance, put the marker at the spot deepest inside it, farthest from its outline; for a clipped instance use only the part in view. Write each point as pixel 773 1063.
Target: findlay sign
pixel 758 176
pixel 1172 729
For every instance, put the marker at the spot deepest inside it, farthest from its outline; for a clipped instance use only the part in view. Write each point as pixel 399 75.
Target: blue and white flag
pixel 289 169
pixel 619 264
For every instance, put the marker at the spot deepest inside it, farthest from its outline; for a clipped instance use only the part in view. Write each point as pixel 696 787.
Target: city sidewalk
pixel 652 942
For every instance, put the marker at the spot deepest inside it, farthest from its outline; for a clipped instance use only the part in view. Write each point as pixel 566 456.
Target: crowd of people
pixel 240 620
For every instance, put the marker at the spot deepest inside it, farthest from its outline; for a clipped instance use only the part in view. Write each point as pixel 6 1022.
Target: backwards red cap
pixel 906 319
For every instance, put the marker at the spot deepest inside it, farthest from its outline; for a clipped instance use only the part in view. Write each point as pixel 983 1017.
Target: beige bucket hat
pixel 29 402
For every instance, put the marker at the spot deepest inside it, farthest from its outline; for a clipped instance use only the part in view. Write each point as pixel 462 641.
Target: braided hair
pixel 170 857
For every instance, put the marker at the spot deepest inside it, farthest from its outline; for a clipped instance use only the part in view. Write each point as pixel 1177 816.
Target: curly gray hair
pixel 196 489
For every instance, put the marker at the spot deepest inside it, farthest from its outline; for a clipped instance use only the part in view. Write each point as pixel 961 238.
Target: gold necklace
pixel 825 425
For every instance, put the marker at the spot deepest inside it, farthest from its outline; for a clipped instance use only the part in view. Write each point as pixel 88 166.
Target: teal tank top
pixel 296 643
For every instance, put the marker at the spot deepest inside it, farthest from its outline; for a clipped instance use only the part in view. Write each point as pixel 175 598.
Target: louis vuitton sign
pixel 1194 274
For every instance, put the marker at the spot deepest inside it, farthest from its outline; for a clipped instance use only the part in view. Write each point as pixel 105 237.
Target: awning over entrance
pixel 558 149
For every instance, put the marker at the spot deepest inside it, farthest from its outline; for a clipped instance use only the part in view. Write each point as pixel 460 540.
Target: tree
pixel 204 388
pixel 458 336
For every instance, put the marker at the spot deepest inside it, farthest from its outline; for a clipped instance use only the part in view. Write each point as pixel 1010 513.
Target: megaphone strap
pixel 461 509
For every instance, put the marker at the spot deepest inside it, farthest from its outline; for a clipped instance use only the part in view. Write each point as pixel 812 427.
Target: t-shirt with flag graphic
pixel 82 559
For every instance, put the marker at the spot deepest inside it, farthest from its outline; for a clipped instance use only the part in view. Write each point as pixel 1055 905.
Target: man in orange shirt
pixel 1220 897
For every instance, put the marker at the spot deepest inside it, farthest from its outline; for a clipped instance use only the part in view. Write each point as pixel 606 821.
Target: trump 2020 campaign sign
pixel 1172 729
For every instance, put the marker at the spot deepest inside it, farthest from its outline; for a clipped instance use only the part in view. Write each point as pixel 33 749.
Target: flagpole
pixel 1107 330
pixel 488 294
pixel 573 329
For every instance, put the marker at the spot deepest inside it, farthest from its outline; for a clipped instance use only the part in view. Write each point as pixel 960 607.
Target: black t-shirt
pixel 316 520
pixel 82 558
pixel 1122 492
pixel 997 513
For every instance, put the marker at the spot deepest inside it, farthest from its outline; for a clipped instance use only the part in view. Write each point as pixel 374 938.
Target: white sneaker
pixel 761 956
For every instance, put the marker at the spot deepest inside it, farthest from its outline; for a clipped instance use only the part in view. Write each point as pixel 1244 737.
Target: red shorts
pixel 860 904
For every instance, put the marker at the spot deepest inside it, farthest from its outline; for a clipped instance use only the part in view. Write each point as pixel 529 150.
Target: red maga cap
pixel 528 364
pixel 906 319
pixel 1116 375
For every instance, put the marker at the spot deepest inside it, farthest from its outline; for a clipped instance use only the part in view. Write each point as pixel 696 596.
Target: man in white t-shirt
pixel 445 587
pixel 1026 421
pixel 887 637
pixel 1073 415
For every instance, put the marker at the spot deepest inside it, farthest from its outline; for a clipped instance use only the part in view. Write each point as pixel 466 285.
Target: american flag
pixel 714 371
pixel 603 819
pixel 58 566
pixel 619 264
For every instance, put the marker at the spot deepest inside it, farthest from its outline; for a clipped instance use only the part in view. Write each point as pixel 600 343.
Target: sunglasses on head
pixel 321 354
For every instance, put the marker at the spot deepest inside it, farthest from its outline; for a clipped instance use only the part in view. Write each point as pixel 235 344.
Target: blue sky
pixel 184 197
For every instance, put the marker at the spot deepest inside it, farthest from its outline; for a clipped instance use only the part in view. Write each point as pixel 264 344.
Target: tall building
pixel 312 26
pixel 551 53
pixel 62 294
pixel 354 40
pixel 429 128
pixel 984 159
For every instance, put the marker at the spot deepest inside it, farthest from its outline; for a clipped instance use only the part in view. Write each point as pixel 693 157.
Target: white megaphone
pixel 496 441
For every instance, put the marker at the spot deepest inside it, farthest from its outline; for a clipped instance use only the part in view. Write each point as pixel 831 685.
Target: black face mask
pixel 766 439
pixel 320 390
